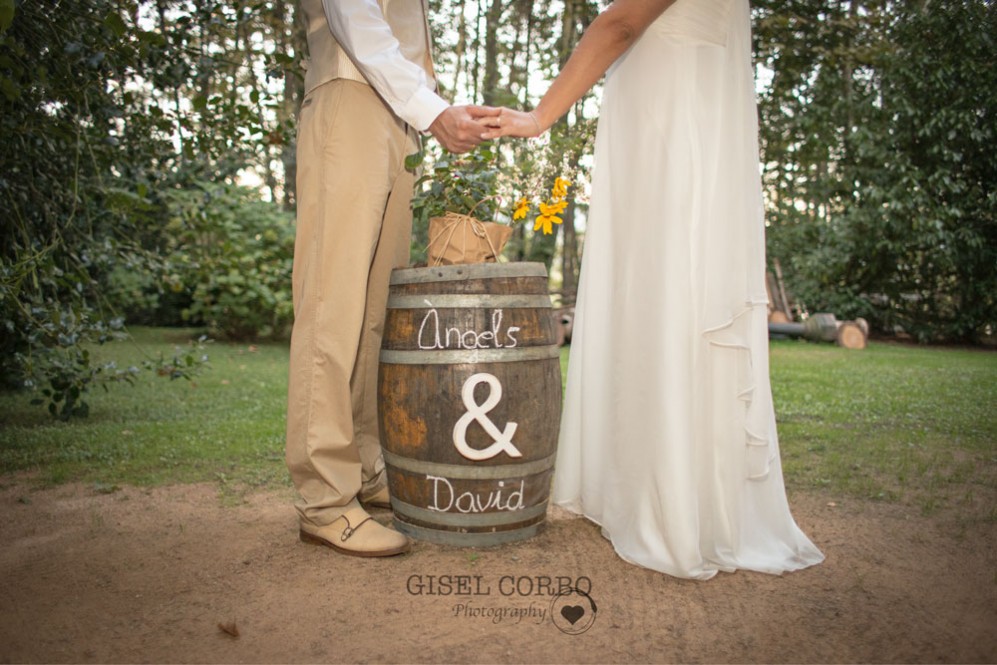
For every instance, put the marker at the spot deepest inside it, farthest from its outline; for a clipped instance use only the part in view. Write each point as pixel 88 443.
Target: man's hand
pixel 460 128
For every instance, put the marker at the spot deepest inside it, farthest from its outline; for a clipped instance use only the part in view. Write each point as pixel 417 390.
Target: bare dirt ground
pixel 149 575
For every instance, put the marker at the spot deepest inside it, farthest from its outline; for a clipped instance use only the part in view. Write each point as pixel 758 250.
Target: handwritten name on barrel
pixel 469 401
pixel 446 499
pixel 432 336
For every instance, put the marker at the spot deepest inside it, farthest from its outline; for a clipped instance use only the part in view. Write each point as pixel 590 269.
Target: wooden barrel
pixel 469 401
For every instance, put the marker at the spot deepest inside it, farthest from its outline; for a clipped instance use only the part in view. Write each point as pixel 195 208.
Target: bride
pixel 668 438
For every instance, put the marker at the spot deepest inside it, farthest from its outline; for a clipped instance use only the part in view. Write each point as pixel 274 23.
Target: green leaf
pixel 414 161
pixel 116 24
pixel 6 14
pixel 11 90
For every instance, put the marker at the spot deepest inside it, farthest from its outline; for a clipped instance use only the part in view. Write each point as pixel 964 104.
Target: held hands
pixel 508 122
pixel 461 128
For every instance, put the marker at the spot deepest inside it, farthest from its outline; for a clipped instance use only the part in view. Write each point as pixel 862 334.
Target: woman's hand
pixel 508 122
pixel 609 36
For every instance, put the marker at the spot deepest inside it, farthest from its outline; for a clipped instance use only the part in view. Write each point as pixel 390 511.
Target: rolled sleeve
pixel 361 30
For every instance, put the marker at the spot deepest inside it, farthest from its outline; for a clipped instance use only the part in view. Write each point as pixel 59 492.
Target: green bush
pixel 231 253
pixel 878 131
pixel 145 297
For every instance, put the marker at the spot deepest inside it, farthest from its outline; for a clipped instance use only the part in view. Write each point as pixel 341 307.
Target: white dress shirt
pixel 363 31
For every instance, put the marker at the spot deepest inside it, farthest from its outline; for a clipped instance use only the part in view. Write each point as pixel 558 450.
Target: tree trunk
pixel 489 86
pixel 294 91
pixel 570 258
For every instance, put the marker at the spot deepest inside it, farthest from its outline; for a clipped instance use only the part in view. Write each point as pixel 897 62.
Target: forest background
pixel 147 170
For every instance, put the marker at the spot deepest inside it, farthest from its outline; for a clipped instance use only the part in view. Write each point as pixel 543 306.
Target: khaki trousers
pixel 354 226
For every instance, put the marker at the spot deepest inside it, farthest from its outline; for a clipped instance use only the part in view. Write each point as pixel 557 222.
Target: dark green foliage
pixel 94 104
pixel 926 185
pixel 59 125
pixel 877 134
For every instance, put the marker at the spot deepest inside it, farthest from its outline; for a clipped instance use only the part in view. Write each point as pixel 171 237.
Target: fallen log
pixel 825 327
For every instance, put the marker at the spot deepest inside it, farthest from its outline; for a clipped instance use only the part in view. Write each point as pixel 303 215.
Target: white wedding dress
pixel 668 437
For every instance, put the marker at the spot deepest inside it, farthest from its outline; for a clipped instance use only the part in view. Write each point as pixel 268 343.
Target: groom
pixel 369 91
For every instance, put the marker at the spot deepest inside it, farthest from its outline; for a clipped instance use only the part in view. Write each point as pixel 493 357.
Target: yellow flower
pixel 555 207
pixel 522 207
pixel 548 217
pixel 560 189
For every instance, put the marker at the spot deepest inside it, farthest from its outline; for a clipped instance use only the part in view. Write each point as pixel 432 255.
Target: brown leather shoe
pixel 357 534
pixel 379 499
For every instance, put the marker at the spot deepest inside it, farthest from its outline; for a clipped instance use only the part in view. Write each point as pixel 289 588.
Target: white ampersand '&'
pixel 502 439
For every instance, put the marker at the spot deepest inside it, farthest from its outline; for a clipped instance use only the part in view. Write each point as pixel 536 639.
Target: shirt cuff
pixel 422 109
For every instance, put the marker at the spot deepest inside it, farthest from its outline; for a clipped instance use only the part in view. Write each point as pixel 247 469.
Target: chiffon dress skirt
pixel 668 439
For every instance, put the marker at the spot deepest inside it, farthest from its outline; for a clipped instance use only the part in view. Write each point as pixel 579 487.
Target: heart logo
pixel 572 613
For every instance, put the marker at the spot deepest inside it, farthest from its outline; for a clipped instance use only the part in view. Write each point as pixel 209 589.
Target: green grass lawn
pixel 892 423
pixel 225 425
